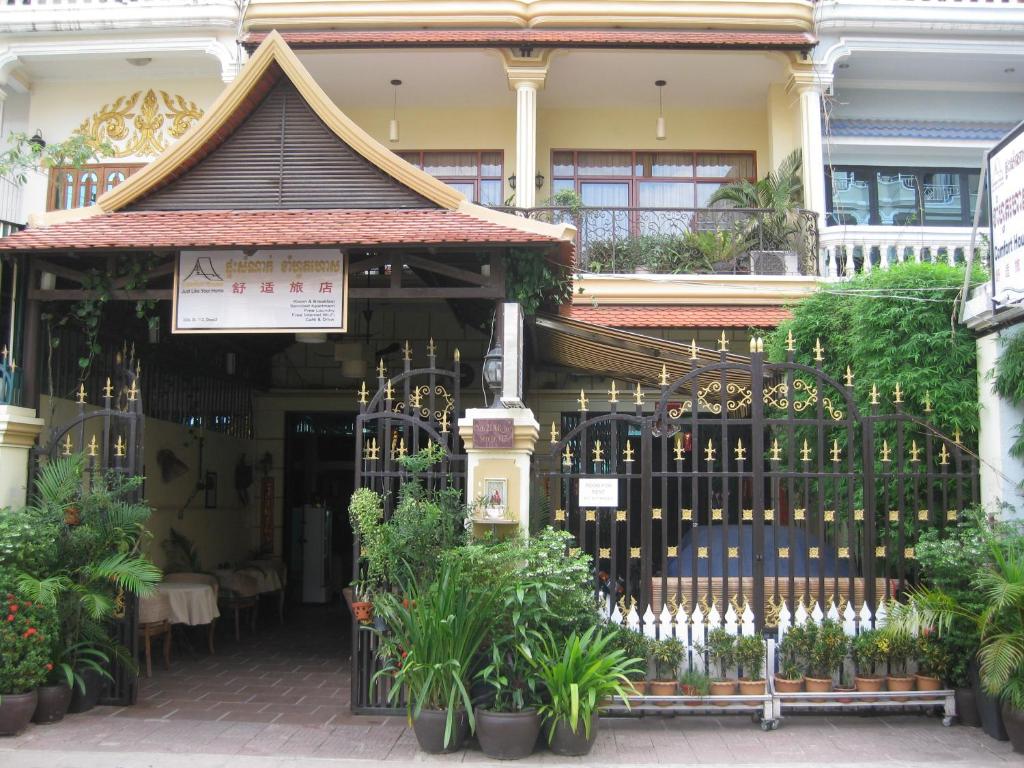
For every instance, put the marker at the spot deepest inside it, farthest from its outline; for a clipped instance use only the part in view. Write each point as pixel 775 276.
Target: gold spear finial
pixel 678 448
pixel 874 394
pixel 723 343
pixel 401 447
pixel 627 453
pixel 957 436
pixel 753 344
pixel 372 451
pixel 886 451
pixel 81 394
pixel 444 422
pixel 364 394
pixel 598 453
pixel 613 394
pixel 93 447
pixel 133 390
pixel 790 341
pixel 663 381
pixel 928 402
pixel 554 433
pixel 693 349
pixel 943 456
pixel 776 454
pixel 381 370
pixel 389 391
pixel 638 395
pixel 66 446
pixel 819 351
pixel 407 351
pixel 849 377
pixel 567 456
pixel 457 356
pixel 836 453
pixel 897 394
pixel 119 446
pixel 915 452
pixel 805 452
pixel 709 452
pixel 582 400
pixel 760 344
pixel 108 389
pixel 416 398
pixel 741 452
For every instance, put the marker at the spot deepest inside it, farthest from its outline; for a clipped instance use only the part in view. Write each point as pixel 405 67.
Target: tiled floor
pixel 284 692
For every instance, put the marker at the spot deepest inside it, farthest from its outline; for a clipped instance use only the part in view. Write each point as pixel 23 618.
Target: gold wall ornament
pixel 138 125
pixel 574 551
pixel 744 399
pixel 908 553
pixel 627 453
pixel 952 515
pixel 776 395
pixel 554 433
pixel 613 394
pixel 582 400
pixel 773 610
pixel 672 552
pixel 723 343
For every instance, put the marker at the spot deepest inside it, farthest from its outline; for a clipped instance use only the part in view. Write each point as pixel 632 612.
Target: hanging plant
pixel 533 279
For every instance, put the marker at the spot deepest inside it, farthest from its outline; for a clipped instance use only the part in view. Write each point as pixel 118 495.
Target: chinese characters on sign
pixel 269 291
pixel 1006 184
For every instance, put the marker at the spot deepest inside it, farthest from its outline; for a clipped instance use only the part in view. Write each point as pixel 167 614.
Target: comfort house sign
pixel 268 291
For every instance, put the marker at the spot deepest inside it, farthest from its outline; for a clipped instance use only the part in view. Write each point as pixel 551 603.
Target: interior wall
pixel 226 533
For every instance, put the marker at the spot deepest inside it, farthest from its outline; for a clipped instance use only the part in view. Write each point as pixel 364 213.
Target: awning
pixel 623 355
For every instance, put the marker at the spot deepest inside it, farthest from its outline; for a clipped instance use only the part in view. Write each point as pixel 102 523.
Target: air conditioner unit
pixel 774 263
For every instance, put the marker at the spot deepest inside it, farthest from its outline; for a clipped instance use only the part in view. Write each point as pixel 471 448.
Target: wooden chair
pixel 232 602
pixel 154 622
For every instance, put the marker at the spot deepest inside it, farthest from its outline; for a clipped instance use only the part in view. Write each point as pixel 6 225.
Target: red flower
pixel 29 632
pixel 10 617
pixel 13 607
pixel 49 667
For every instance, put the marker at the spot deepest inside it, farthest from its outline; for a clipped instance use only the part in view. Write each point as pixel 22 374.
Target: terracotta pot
pixel 869 684
pixel 16 711
pixel 1013 721
pixel 900 683
pixel 818 685
pixel 722 688
pixel 363 611
pixel 565 742
pixel 662 688
pixel 639 687
pixel 53 703
pixel 927 683
pixel 967 707
pixel 689 690
pixel 843 689
pixel 429 729
pixel 784 685
pixel 507 735
pixel 752 688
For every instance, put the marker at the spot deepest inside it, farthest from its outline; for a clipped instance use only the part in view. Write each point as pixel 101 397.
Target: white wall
pixel 1001 474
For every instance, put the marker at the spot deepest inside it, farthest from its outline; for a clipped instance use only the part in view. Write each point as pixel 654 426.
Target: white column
pixel 19 428
pixel 1001 473
pixel 809 85
pixel 526 143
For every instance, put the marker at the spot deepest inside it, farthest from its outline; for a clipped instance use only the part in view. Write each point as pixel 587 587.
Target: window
pixel 477 175
pixel 896 196
pixel 79 187
pixel 631 179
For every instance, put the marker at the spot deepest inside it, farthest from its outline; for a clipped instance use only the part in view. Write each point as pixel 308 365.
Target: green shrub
pixel 795 651
pixel 869 650
pixel 667 654
pixel 829 649
pixel 26 640
pixel 721 650
pixel 750 656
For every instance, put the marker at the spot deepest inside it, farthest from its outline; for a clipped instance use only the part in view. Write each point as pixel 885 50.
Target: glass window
pixel 604 163
pixel 942 202
pixel 664 194
pixel 851 198
pixel 477 175
pixel 86 189
pixel 725 165
pixel 71 188
pixel 972 185
pixel 666 164
pixel 897 197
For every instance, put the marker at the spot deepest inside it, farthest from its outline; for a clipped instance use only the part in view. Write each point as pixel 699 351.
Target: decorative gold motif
pixel 908 553
pixel 886 452
pixel 133 390
pixel 716 513
pixel 928 402
pixel 848 379
pixel 836 453
pixel 819 351
pixel 773 610
pixel 416 399
pixel 591 515
pixel 943 456
pixel 957 436
pixel 560 515
pixel 141 131
pixel 407 351
pixel 776 451
pixel 693 349
pixel 709 452
pixel 784 552
pixel 431 348
pixel 952 515
pixel 93 447
pixel 401 448
pixel 582 400
pixel 830 515
pixel 567 457
pixel 805 452
pixel 894 515
pixel 744 399
pixel 879 551
pixel 389 391
pixel 843 552
pixel 741 452
pixel 813 553
pixel 119 446
pixel 686 514
pixel 733 552
pixel 656 513
pixel 748 514
pixel 672 551
pixel 574 551
pixel 634 552
pixel 897 394
pixel 108 389
pixel 66 445
pixel 598 452
pixel 364 394
pixel 922 515
pixel 381 370
pixel 790 343
pixel 677 449
pixel 627 453
pixel 858 515
pixel 874 394
pixel 554 433
pixel 605 553
pixel 663 379
pixel 371 451
pixel 915 452
pixel 769 515
pixel 638 395
pixel 457 356
pixel 444 422
pixel 613 393
pixel 80 398
pixel 723 343
pixel 702 553
pixel 799 513
pixel 620 516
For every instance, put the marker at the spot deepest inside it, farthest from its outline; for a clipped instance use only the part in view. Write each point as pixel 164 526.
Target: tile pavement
pixel 282 694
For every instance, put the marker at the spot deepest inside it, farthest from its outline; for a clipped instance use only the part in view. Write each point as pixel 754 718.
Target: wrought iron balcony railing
pixel 689 240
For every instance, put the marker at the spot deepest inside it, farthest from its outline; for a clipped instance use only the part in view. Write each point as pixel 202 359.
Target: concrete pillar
pixel 19 428
pixel 808 86
pixel 1001 473
pixel 527 74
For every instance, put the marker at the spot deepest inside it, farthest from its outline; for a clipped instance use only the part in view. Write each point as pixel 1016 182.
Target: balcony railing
pixel 688 240
pixel 850 250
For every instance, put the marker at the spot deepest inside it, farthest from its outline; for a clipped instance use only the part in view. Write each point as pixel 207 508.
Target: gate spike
pixel 431 348
pixel 790 341
pixel 627 453
pixel 956 436
pixel 638 395
pixel 836 453
pixel 741 452
pixel 457 356
pixel 723 343
pixel 93 447
pixel 582 400
pixel 567 456
pixel 849 377
pixel 389 391
pixel 776 454
pixel 928 402
pixel 363 394
pixel 613 394
pixel 943 456
pixel 915 452
pixel 805 452
pixel 108 390
pixel 444 422
pixel 886 451
pixel 753 344
pixel 693 349
pixel 678 449
pixel 819 351
pixel 554 433
pixel 407 351
pixel 598 453
pixel 66 449
pixel 709 452
pixel 760 345
pixel 874 394
pixel 381 370
pixel 897 394
pixel 663 381
pixel 81 394
pixel 119 446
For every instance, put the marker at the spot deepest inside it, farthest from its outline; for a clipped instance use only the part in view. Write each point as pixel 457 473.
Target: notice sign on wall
pixel 1006 185
pixel 598 493
pixel 269 291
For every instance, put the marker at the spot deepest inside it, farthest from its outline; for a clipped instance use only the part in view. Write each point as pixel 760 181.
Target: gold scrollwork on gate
pixel 681 410
pixel 138 125
pixel 416 407
pixel 713 387
pixel 777 395
pixel 741 397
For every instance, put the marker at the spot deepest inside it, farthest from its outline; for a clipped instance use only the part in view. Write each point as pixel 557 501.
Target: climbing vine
pixel 533 280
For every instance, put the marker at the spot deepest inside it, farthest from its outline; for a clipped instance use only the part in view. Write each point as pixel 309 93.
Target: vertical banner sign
pixel 1006 218
pixel 267 291
pixel 267 515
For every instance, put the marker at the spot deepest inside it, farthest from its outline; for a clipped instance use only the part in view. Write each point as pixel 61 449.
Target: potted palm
pixel 578 674
pixel 24 658
pixel 827 654
pixel 794 656
pixel 868 653
pixel 750 655
pixel 668 656
pixel 694 683
pixel 440 629
pixel 721 650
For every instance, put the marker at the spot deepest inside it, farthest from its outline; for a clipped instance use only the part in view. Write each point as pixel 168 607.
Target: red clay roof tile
pixel 222 229
pixel 680 316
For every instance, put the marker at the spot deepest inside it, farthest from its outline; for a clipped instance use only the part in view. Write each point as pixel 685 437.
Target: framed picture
pixel 211 490
pixel 495 497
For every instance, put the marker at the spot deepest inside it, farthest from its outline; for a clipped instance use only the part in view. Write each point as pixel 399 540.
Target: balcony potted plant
pixel 694 683
pixel 934 662
pixel 750 655
pixel 827 654
pixel 578 674
pixel 721 650
pixel 24 661
pixel 668 656
pixel 794 656
pixel 868 652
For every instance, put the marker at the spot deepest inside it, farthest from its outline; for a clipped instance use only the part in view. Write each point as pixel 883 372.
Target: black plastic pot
pixel 15 712
pixel 83 702
pixel 53 704
pixel 429 730
pixel 967 707
pixel 565 742
pixel 1013 719
pixel 507 735
pixel 988 708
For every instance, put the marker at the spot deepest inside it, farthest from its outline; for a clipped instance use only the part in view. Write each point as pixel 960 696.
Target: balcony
pixel 850 250
pixel 739 241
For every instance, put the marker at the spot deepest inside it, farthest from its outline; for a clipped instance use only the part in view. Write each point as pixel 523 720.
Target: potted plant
pixel 694 683
pixel 934 662
pixel 794 656
pixel 578 675
pixel 635 645
pixel 668 656
pixel 440 629
pixel 899 648
pixel 508 728
pixel 721 650
pixel 827 654
pixel 77 671
pixel 750 655
pixel 868 653
pixel 24 662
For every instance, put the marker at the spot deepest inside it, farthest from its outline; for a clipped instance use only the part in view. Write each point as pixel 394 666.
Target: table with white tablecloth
pixel 189 602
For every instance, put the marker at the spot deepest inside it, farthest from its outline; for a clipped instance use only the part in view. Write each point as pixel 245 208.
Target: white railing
pixel 10 202
pixel 850 250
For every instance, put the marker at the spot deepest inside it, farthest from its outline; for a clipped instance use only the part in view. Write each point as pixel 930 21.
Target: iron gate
pixel 755 483
pixel 407 412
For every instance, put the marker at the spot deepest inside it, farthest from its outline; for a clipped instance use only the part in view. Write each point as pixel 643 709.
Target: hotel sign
pixel 267 291
pixel 1006 217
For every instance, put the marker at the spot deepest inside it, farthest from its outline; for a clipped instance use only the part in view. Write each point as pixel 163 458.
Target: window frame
pixel 462 179
pixel 102 170
pixel 634 181
pixel 918 172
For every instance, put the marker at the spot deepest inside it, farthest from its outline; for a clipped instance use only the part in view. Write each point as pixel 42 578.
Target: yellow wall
pixel 783 125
